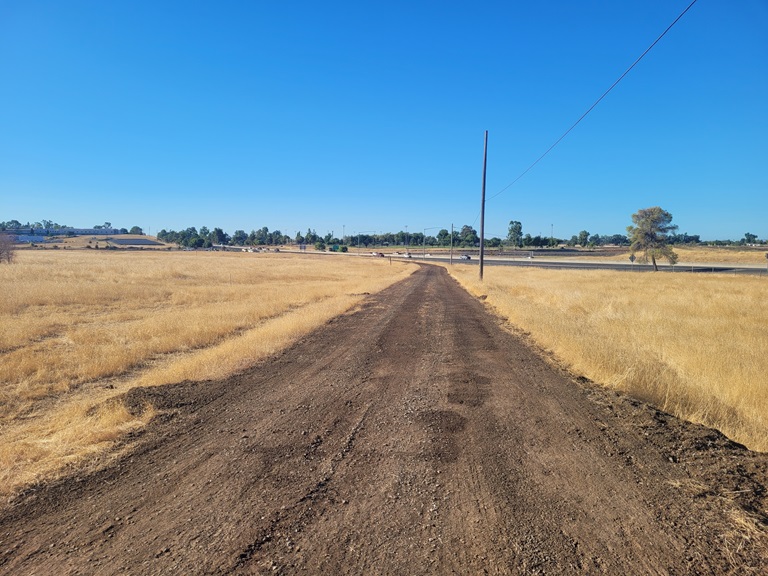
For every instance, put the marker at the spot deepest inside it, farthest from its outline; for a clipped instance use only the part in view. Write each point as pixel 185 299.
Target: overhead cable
pixel 540 158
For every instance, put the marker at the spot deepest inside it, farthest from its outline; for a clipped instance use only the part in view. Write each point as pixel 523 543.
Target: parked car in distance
pixel 466 257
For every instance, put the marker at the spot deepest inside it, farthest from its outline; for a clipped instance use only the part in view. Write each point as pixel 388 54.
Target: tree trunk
pixel 653 260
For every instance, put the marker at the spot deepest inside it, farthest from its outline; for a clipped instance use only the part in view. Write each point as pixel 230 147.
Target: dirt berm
pixel 413 435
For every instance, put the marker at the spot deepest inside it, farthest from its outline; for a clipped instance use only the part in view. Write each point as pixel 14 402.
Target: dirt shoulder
pixel 413 435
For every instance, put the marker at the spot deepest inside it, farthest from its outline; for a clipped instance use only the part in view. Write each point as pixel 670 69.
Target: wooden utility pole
pixel 482 208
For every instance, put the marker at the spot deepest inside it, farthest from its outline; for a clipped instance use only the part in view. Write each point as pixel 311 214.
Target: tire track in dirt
pixel 412 435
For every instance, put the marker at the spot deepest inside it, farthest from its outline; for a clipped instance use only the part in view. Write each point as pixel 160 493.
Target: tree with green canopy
pixel 649 235
pixel 515 233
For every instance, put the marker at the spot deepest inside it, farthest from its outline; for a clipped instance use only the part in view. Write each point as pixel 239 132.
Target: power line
pixel 540 158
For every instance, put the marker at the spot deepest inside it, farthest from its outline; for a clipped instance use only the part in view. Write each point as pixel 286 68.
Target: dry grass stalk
pixel 80 327
pixel 694 345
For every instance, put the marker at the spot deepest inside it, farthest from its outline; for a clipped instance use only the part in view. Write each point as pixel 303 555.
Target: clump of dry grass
pixel 694 345
pixel 41 447
pixel 80 327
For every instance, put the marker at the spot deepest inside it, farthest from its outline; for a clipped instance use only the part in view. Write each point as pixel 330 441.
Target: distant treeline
pixel 465 237
pixel 205 238
pixel 51 228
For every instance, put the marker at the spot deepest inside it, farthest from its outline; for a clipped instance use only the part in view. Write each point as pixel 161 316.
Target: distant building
pixel 64 231
pixel 27 238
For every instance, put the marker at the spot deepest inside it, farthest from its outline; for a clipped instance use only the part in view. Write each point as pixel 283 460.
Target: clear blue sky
pixel 369 116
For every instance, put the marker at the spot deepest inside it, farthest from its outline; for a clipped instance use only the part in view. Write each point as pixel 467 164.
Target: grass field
pixel 694 345
pixel 724 254
pixel 711 255
pixel 79 327
pixel 99 242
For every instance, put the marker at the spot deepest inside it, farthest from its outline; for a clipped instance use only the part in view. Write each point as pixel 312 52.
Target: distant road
pixel 563 262
pixel 571 265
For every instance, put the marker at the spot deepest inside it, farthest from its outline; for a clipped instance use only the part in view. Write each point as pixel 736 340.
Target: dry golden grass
pixel 98 242
pixel 706 255
pixel 80 327
pixel 724 254
pixel 694 345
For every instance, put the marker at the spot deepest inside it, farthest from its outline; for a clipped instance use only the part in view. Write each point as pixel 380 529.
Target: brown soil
pixel 412 436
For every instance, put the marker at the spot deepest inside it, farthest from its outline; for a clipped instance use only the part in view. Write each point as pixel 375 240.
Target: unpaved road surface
pixel 411 436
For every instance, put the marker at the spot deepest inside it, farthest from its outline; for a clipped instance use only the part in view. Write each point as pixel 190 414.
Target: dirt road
pixel 411 436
